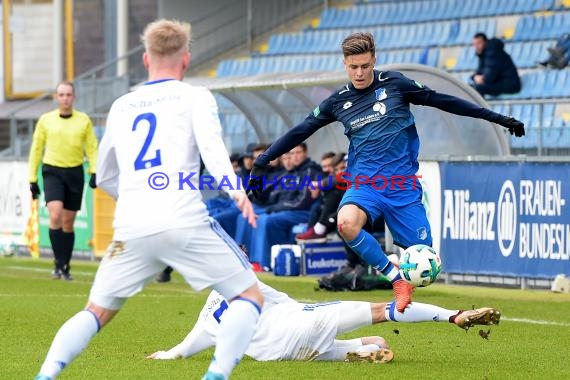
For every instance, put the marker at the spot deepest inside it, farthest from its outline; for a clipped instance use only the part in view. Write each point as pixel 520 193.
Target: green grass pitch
pixel 532 341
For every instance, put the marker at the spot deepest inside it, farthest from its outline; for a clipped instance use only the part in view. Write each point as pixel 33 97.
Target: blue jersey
pixel 378 123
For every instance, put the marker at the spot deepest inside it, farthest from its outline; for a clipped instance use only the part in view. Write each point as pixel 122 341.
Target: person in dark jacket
pixel 291 204
pixel 496 73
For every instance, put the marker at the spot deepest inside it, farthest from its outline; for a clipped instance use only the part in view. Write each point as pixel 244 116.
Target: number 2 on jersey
pixel 140 161
pixel 220 310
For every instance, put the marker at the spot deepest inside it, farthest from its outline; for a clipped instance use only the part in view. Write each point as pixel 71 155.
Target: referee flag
pixel 32 233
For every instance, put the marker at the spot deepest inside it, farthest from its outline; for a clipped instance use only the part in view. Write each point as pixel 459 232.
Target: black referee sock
pixel 56 239
pixel 68 239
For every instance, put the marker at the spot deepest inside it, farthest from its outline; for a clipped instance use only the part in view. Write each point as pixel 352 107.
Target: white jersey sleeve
pixel 107 168
pixel 203 334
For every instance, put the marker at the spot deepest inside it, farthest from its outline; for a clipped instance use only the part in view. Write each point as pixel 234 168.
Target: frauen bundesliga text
pixel 340 181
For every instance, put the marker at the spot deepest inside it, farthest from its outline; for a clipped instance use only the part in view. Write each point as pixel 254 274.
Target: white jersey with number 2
pixel 149 157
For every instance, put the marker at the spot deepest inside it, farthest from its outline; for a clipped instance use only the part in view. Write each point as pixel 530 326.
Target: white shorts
pixel 204 255
pixel 297 331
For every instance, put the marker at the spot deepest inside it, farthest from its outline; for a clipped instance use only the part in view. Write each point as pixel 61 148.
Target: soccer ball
pixel 420 265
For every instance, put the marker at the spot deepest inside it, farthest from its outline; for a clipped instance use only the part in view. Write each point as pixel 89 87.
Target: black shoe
pixel 66 276
pixel 56 274
pixel 163 277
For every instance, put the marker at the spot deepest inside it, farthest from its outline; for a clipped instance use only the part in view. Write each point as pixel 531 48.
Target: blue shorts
pixel 403 211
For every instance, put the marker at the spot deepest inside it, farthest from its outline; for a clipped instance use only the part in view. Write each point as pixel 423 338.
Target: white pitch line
pixel 43 270
pixel 535 321
pixel 86 295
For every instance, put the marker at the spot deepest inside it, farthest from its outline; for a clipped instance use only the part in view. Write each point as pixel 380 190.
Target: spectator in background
pixel 246 160
pixel 290 208
pixel 243 231
pixel 67 136
pixel 227 213
pixel 559 54
pixel 324 219
pixel 234 159
pixel 496 73
pixel 327 163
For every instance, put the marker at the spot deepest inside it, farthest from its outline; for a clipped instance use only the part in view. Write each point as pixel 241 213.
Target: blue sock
pixel 370 250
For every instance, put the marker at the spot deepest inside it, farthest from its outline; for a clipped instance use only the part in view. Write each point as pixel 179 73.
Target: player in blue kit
pixel 374 108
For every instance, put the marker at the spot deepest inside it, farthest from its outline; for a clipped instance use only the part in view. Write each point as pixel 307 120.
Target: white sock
pixel 418 312
pixel 70 341
pixel 319 228
pixel 368 348
pixel 237 327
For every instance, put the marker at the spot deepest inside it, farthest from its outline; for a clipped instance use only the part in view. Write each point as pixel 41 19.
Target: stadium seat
pixel 548 112
pixel 564 139
pixel 551 138
pixel 467 60
pixel 524 27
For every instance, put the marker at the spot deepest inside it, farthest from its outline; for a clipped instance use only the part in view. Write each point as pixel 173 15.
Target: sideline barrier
pixel 505 218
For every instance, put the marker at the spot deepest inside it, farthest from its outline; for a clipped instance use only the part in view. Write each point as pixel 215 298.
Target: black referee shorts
pixel 64 184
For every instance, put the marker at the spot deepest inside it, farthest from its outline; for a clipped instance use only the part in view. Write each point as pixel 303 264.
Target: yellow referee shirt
pixel 66 142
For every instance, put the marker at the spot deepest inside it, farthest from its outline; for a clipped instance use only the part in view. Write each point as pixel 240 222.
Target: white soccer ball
pixel 420 265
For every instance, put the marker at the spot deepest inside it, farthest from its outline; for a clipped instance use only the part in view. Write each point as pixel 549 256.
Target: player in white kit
pixel 290 330
pixel 149 160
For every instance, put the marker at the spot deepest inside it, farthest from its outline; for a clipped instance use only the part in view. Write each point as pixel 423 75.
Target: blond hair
pixel 65 83
pixel 358 43
pixel 166 37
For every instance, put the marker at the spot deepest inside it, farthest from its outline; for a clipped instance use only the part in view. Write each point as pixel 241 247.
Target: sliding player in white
pixel 152 145
pixel 290 330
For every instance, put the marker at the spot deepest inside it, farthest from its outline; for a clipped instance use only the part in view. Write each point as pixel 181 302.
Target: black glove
pixel 93 181
pixel 35 189
pixel 514 126
pixel 254 183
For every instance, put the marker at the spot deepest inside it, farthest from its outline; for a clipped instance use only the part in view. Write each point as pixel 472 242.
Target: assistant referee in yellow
pixel 62 138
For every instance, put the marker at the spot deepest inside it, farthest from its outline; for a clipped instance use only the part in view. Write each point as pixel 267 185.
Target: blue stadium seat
pixel 494 7
pixel 526 114
pixel 467 60
pixel 526 56
pixel 517 143
pixel 530 139
pixel 223 68
pixel 327 18
pixel 433 57
pixel 334 17
pixel 507 6
pixel 523 28
pixel 534 85
pixel 548 115
pixel 551 138
pixel 535 118
pixel 551 87
pixel 519 6
pixel 500 108
pixel 564 140
pixel 547 4
pixel 516 111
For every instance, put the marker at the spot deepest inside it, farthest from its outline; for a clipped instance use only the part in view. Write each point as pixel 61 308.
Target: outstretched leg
pixel 351 219
pixel 72 338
